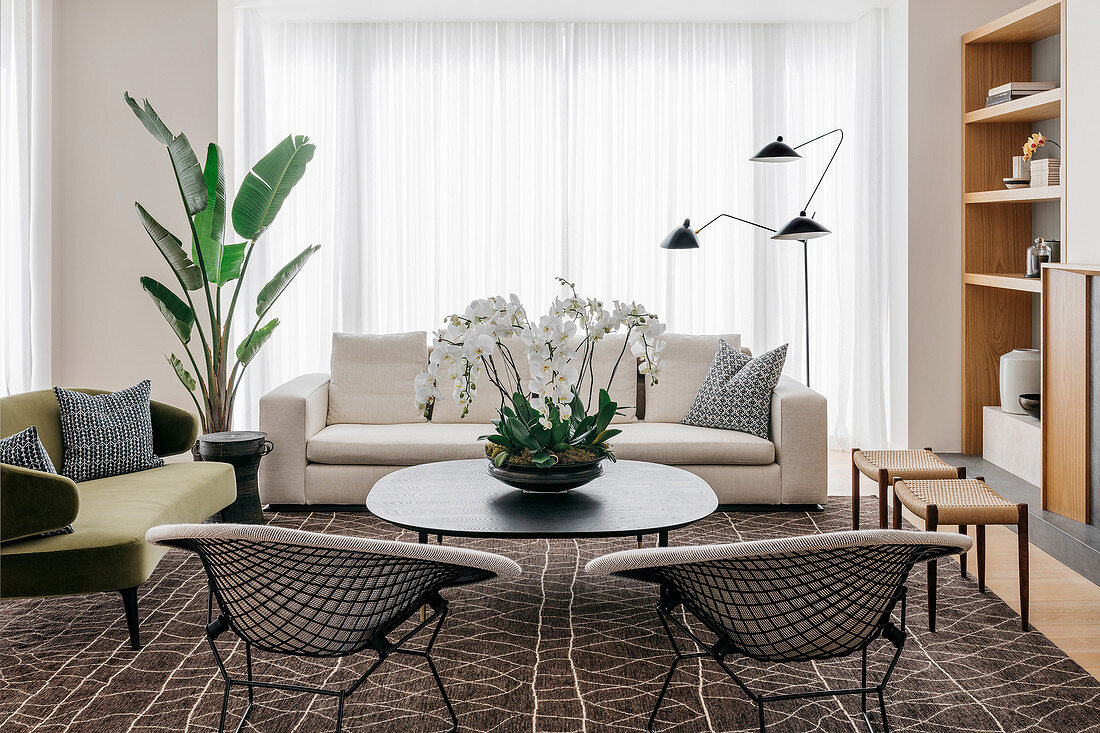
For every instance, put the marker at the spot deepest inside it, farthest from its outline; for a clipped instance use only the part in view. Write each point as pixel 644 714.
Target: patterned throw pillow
pixel 24 449
pixel 106 434
pixel 736 394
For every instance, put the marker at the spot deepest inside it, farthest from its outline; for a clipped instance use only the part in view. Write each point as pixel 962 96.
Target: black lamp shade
pixel 776 152
pixel 682 237
pixel 801 227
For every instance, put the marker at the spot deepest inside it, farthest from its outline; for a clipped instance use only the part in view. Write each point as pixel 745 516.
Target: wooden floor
pixel 1065 607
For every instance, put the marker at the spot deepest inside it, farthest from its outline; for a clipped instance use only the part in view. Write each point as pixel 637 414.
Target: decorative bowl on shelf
pixel 1016 182
pixel 1031 402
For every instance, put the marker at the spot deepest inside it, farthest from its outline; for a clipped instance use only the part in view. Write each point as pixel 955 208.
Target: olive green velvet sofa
pixel 107 550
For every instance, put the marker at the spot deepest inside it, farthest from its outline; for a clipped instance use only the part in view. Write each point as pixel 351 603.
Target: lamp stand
pixel 806 302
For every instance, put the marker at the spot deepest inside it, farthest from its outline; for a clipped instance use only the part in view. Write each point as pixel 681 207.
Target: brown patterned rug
pixel 554 651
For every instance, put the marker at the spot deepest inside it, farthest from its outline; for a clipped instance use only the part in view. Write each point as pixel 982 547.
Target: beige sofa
pixel 336 434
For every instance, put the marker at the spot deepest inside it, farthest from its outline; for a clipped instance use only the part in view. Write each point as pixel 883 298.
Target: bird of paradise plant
pixel 214 262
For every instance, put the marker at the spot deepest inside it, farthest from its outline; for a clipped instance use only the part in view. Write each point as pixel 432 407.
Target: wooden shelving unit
pixel 997 300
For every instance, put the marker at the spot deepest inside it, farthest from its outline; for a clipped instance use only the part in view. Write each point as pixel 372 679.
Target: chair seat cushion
pixel 403 444
pixel 107 549
pixel 676 444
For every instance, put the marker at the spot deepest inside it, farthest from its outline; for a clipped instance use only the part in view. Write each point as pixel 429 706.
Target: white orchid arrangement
pixel 547 417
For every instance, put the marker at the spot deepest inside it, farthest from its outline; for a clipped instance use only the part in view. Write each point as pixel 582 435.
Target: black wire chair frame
pixel 312 595
pixel 790 600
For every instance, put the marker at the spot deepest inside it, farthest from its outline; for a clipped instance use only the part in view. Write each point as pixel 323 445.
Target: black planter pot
pixel 556 478
pixel 243 450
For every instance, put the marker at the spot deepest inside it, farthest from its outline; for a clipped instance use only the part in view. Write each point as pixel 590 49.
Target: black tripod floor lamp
pixel 799 229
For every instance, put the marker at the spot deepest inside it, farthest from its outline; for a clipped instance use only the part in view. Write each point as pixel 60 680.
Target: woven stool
pixel 884 466
pixel 963 502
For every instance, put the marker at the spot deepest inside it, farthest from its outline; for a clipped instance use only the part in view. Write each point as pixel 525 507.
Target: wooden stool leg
pixel 961 472
pixel 883 487
pixel 962 557
pixel 1024 570
pixel 931 523
pixel 980 529
pixel 855 491
pixel 897 507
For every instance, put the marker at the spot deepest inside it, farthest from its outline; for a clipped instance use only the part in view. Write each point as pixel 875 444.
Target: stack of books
pixel 1015 90
pixel 1046 172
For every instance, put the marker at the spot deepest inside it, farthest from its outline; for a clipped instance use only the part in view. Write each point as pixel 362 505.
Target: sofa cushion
pixel 106 434
pixel 405 444
pixel 486 405
pixel 372 377
pixel 107 550
pixel 675 444
pixel 684 364
pixel 624 389
pixel 737 392
pixel 25 450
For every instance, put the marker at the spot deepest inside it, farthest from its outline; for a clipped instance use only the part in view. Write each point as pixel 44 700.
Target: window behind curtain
pixel 460 160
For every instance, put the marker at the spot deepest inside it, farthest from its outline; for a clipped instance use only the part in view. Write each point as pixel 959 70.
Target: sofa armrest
pixel 174 430
pixel 291 415
pixel 33 502
pixel 799 426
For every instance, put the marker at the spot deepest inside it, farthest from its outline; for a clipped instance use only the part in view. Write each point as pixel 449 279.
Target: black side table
pixel 243 450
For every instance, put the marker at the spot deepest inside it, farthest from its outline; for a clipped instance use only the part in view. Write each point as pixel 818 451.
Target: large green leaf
pixel 150 119
pixel 252 345
pixel 178 314
pixel 172 249
pixel 188 174
pixel 271 292
pixel 185 377
pixel 267 185
pixel 221 262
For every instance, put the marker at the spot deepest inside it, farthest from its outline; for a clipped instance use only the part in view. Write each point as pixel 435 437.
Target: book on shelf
pixel 1003 97
pixel 1023 87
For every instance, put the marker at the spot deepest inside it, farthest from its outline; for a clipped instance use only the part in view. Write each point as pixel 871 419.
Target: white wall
pixel 935 213
pixel 1082 111
pixel 106 331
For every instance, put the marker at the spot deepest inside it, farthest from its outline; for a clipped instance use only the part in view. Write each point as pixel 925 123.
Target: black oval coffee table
pixel 460 499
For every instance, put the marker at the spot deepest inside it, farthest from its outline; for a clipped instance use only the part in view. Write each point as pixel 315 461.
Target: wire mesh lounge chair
pixel 787 600
pixel 316 595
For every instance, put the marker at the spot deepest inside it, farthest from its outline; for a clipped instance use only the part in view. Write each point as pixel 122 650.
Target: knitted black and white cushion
pixel 25 449
pixel 736 394
pixel 106 434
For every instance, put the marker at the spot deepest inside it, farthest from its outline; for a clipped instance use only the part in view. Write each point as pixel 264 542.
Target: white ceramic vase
pixel 1021 373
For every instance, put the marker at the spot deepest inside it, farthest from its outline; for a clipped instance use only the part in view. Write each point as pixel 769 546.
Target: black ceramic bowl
pixel 1031 403
pixel 547 480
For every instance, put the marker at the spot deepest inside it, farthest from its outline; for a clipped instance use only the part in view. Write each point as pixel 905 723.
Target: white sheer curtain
pixel 457 160
pixel 24 248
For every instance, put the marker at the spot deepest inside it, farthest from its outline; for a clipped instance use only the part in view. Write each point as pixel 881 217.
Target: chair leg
pixel 897 507
pixel 661 694
pixel 130 603
pixel 855 491
pixel 980 542
pixel 962 557
pixel 443 693
pixel 931 523
pixel 760 708
pixel 883 487
pixel 340 714
pixel 1025 581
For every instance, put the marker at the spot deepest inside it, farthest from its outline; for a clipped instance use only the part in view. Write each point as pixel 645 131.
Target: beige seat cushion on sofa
pixel 684 363
pixel 414 443
pixel 372 377
pixel 675 444
pixel 406 444
pixel 486 405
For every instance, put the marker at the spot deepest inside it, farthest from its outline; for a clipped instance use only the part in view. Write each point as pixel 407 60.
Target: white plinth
pixel 1013 442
